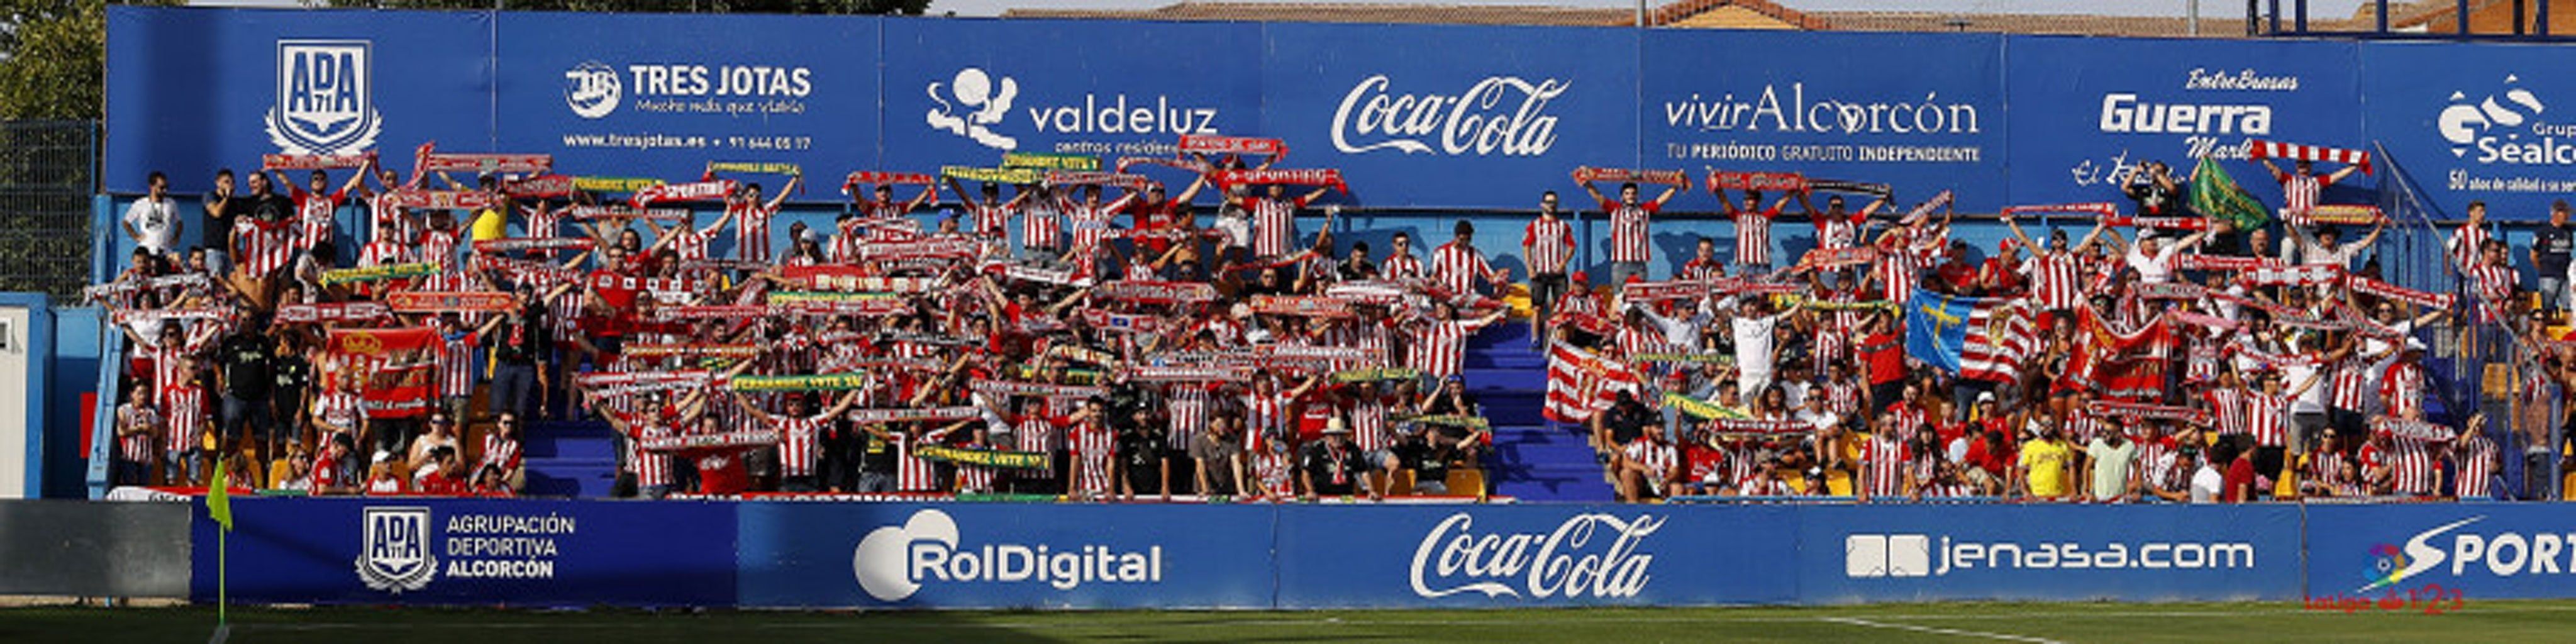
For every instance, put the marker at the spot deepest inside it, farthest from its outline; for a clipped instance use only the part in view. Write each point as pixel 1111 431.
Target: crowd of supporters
pixel 2191 359
pixel 1023 345
pixel 1036 344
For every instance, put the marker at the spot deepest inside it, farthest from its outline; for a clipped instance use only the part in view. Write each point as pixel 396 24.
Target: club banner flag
pixel 1306 306
pixel 1214 144
pixel 1172 373
pixel 2197 262
pixel 336 277
pixel 2344 214
pixel 656 351
pixel 315 161
pixel 486 163
pixel 2097 208
pixel 1924 210
pixel 1152 292
pixel 2306 275
pixel 1075 178
pixel 1757 181
pixel 621 211
pixel 1700 409
pixel 2143 411
pixel 1309 177
pixel 846 277
pixel 1661 291
pixel 1674 178
pixel 984 457
pixel 2414 429
pixel 131 316
pixel 1840 257
pixel 1192 165
pixel 1936 328
pixel 542 186
pixel 2214 194
pixel 1684 358
pixel 449 301
pixel 1477 423
pixel 2384 290
pixel 2170 291
pixel 864 178
pixel 440 199
pixel 1046 161
pixel 332 312
pixel 1580 384
pixel 2121 363
pixel 1005 388
pixel 2166 223
pixel 671 192
pixel 913 414
pixel 613 184
pixel 755 167
pixel 2275 149
pixel 728 440
pixel 813 382
pixel 1375 374
pixel 398 367
pixel 515 244
pixel 1879 190
pixel 991 175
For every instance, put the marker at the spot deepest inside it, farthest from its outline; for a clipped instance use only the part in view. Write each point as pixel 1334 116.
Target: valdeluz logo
pixel 893 562
pixel 1590 554
pixel 591 89
pixel 1871 556
pixel 1505 114
pixel 2494 128
pixel 397 554
pixel 982 105
pixel 325 97
pixel 394 553
pixel 2502 554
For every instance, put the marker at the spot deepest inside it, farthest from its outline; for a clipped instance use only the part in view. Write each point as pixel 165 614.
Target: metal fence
pixel 48 172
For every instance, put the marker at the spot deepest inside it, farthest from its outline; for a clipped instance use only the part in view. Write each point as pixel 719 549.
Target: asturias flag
pixel 1936 328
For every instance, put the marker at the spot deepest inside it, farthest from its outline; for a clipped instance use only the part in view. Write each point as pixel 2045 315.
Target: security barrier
pixel 1002 555
pixel 1418 116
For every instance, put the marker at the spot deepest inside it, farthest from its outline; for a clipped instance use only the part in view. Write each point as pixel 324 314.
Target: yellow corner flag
pixel 219 502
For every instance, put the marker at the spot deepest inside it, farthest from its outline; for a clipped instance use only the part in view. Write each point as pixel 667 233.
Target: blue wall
pixel 968 555
pixel 1421 116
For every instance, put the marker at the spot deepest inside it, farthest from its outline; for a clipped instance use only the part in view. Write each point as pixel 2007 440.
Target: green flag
pixel 2215 195
pixel 219 502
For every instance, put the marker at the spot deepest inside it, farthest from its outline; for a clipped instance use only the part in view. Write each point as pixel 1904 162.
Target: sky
pixel 2170 8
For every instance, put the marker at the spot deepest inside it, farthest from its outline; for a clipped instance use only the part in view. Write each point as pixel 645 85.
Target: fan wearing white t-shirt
pixel 1755 351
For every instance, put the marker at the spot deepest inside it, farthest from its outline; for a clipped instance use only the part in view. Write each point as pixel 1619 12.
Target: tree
pixel 53 56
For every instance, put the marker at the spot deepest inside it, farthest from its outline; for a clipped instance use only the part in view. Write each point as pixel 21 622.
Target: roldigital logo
pixel 2500 554
pixel 2503 126
pixel 593 89
pixel 976 104
pixel 893 562
pixel 1500 114
pixel 1869 556
pixel 1591 554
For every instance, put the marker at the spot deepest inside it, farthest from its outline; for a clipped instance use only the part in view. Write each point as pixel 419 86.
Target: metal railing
pixel 48 172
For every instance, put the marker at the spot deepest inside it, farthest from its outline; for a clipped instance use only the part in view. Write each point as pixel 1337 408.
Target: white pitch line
pixel 1938 631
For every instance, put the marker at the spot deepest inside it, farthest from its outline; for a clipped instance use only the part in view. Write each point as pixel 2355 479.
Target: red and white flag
pixel 1580 384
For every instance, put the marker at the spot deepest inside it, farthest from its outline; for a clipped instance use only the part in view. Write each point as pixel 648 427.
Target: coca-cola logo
pixel 1500 114
pixel 1589 555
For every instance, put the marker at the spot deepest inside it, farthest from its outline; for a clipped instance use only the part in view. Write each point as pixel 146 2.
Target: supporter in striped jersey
pixel 1547 245
pixel 1630 245
pixel 2302 189
pixel 1649 468
pixel 799 437
pixel 2474 462
pixel 1838 228
pixel 1753 228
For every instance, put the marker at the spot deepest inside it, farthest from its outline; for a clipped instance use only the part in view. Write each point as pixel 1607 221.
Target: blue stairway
pixel 571 459
pixel 1533 460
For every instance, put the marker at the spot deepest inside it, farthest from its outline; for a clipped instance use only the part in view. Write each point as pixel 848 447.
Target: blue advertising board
pixel 194 91
pixel 965 92
pixel 653 96
pixel 1829 105
pixel 464 551
pixel 1516 556
pixel 2471 122
pixel 1005 555
pixel 1450 116
pixel 1884 553
pixel 2479 550
pixel 2086 109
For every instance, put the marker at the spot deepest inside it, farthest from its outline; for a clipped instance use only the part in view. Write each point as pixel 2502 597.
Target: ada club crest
pixel 325 97
pixel 395 555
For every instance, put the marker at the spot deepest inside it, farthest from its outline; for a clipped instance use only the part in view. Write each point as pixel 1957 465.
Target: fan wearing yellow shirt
pixel 493 222
pixel 2043 468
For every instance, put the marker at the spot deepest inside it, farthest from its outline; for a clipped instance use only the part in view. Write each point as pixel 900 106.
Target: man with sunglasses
pixel 1548 244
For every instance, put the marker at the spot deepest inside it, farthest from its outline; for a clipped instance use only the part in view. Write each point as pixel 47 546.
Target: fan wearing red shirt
pixel 1837 228
pixel 1703 264
pixel 316 211
pixel 1882 351
pixel 1159 213
pixel 1274 224
pixel 1629 243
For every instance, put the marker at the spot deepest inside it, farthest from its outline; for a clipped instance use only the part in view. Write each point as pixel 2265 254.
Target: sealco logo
pixel 2505 554
pixel 1870 556
pixel 2494 126
pixel 394 554
pixel 325 97
pixel 974 105
pixel 1590 554
pixel 893 562
pixel 1500 114
pixel 591 89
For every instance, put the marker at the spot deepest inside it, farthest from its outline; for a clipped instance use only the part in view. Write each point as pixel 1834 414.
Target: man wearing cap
pixel 1333 467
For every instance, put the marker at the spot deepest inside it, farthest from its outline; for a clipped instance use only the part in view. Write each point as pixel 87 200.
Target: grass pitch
pixel 2499 621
